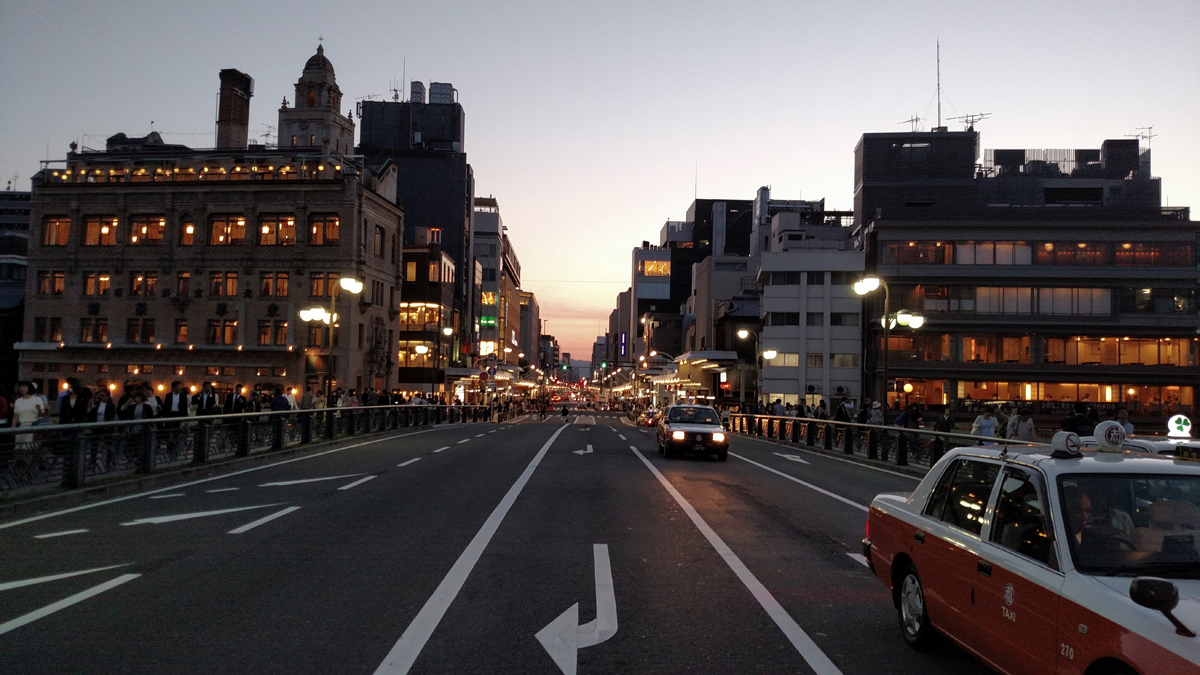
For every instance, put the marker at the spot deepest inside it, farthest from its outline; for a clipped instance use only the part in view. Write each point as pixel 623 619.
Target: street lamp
pixel 742 335
pixel 903 317
pixel 330 318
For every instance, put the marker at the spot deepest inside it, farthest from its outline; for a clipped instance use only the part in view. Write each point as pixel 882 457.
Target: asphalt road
pixel 530 547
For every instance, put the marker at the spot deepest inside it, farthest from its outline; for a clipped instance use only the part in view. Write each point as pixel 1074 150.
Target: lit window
pixel 488 298
pixel 100 232
pixel 326 230
pixel 487 347
pixel 187 232
pixel 654 268
pixel 55 231
pixel 147 230
pixel 277 231
pixel 227 230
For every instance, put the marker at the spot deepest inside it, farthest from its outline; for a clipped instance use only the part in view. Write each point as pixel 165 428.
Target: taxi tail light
pixel 678 435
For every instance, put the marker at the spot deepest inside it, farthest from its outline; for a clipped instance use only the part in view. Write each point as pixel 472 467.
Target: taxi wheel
pixel 667 451
pixel 723 456
pixel 914 620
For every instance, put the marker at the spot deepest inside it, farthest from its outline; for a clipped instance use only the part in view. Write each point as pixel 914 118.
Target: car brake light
pixel 867 534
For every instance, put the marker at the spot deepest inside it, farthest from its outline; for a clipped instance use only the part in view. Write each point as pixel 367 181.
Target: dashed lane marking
pixel 463 441
pixel 158 520
pixel 176 494
pixel 415 459
pixel 445 447
pixel 265 519
pixel 837 459
pixel 223 490
pixel 622 437
pixel 55 577
pixel 58 534
pixel 358 482
pixel 308 480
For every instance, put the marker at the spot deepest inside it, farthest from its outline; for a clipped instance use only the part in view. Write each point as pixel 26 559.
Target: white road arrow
pixel 794 458
pixel 564 637
pixel 583 452
pixel 188 516
pixel 308 480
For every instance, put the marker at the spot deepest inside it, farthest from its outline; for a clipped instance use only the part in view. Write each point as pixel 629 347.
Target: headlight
pixel 678 435
pixel 718 437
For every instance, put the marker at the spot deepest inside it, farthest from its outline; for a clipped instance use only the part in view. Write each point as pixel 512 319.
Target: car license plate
pixel 699 447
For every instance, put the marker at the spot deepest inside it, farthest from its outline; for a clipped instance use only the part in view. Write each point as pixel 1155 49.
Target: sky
pixel 594 123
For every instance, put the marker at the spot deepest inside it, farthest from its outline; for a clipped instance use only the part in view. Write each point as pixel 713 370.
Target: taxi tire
pixel 910 596
pixel 723 456
pixel 667 451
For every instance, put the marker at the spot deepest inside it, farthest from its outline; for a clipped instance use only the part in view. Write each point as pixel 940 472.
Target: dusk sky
pixel 593 123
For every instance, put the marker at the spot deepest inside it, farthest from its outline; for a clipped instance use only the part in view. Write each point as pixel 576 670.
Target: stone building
pixel 155 262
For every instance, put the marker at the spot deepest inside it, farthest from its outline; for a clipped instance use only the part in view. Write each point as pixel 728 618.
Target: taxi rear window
pixel 961 495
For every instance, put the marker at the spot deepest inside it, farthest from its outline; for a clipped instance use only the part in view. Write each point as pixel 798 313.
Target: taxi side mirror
pixel 1160 595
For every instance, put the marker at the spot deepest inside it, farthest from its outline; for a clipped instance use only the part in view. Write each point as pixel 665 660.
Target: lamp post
pixel 742 335
pixel 330 318
pixel 903 317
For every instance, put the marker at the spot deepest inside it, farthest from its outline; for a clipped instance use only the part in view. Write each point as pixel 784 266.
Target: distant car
pixel 1039 562
pixel 647 418
pixel 692 428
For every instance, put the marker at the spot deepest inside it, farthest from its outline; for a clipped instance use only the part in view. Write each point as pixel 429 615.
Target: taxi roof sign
pixel 1179 426
pixel 1109 436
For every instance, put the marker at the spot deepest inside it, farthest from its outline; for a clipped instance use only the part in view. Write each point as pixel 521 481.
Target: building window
pixel 843 319
pixel 227 230
pixel 783 359
pixel 277 231
pixel 323 284
pixel 96 283
pixel 654 268
pixel 842 278
pixel 93 330
pixel 181 333
pixel 814 319
pixel 380 239
pixel 312 138
pixel 47 329
pixel 51 283
pixel 147 230
pixel 417 354
pixel 100 231
pixel 434 272
pixel 183 284
pixel 783 279
pixel 139 331
pixel 293 140
pixel 1068 253
pixel 377 292
pixel 326 231
pixel 488 298
pixel 419 317
pixel 435 235
pixel 814 360
pixel 489 274
pixel 55 231
pixel 143 283
pixel 272 333
pixel 222 332
pixel 187 232
pixel 844 360
pixel 223 284
pixel 410 271
pixel 274 284
pixel 816 278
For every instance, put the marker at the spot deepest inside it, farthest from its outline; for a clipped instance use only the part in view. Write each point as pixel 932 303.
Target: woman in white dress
pixel 26 410
pixel 985 425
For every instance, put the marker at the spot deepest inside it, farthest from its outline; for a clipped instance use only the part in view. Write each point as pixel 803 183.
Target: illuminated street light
pixel 770 354
pixel 421 349
pixel 330 318
pixel 447 331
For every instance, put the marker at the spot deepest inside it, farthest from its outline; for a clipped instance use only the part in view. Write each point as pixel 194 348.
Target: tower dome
pixel 318 63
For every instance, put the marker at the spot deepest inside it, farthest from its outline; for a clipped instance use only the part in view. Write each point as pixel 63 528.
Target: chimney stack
pixel 233 109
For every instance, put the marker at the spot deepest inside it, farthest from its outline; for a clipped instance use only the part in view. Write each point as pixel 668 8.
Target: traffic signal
pixel 564 366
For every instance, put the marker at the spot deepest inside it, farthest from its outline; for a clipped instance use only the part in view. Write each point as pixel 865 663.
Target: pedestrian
pixel 1079 422
pixel 308 401
pixel 176 403
pixel 985 424
pixel 136 408
pixel 844 411
pixel 73 407
pixel 822 412
pixel 206 401
pixel 864 412
pixel 102 408
pixel 564 412
pixel 1021 426
pixel 944 424
pixel 777 409
pixel 1123 420
pixel 876 413
pixel 279 402
pixel 27 409
pixel 235 402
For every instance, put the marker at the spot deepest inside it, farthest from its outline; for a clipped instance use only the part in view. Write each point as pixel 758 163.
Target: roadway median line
pixel 809 651
pixel 406 650
pixel 810 486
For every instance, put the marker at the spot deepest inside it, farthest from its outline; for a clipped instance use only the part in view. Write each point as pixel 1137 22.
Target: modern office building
pixel 500 301
pixel 531 329
pixel 1046 277
pixel 153 262
pixel 14 246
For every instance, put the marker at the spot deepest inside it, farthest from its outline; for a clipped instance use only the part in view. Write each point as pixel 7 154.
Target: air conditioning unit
pixel 812 389
pixel 840 390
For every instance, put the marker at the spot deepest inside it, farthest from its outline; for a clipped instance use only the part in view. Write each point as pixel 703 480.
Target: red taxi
pixel 1048 559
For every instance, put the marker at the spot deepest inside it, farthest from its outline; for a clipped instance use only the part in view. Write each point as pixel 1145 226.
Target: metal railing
pixel 903 445
pixel 73 454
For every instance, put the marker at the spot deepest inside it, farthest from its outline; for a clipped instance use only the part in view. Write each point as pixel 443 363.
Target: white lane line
pixel 157 520
pixel 622 437
pixel 55 577
pixel 492 431
pixel 223 490
pixel 264 519
pixel 175 494
pixel 358 482
pixel 58 534
pixel 463 441
pixel 478 435
pixel 445 447
pixel 308 480
pixel 64 603
pixel 810 486
pixel 837 459
pixel 406 650
pixel 415 459
pixel 808 649
pixel 106 502
pixel 860 559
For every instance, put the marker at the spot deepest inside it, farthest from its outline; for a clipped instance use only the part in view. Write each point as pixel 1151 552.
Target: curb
pixel 172 476
pixel 916 472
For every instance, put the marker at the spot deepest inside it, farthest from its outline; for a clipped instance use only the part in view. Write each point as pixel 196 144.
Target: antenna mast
pixel 939 81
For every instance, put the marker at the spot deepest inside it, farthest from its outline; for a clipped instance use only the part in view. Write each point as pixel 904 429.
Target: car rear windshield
pixel 693 416
pixel 1133 524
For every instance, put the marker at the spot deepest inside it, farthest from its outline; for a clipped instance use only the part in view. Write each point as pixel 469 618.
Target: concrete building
pixel 14 245
pixel 155 262
pixel 426 322
pixel 500 301
pixel 531 329
pixel 1046 277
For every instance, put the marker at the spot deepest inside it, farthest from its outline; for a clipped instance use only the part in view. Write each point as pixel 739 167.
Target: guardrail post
pixel 830 432
pixel 203 443
pixel 306 428
pixel 244 435
pixel 757 426
pixel 350 422
pixel 884 438
pixel 278 426
pixel 849 444
pixel 810 434
pixel 149 445
pixel 902 450
pixel 782 428
pixel 873 444
pixel 75 469
pixel 796 431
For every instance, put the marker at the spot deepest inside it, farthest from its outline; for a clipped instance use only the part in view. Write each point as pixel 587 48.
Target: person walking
pixel 176 403
pixel 945 424
pixel 279 402
pixel 985 424
pixel 73 407
pixel 27 409
pixel 1021 427
pixel 235 403
pixel 206 401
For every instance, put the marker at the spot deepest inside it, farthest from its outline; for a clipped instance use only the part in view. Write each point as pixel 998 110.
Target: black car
pixel 692 428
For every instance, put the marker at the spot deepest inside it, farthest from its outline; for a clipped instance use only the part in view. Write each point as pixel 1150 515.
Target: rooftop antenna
pixel 971 119
pixel 395 91
pixel 939 80
pixel 404 76
pixel 915 121
pixel 268 133
pixel 1146 133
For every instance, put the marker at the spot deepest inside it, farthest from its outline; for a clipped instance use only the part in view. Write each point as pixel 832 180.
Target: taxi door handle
pixel 984 568
pixel 920 537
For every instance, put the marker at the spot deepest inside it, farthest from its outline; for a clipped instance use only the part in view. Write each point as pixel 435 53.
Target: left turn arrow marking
pixel 188 516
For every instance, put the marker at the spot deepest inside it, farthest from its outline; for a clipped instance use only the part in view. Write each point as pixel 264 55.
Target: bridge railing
pixel 902 445
pixel 74 454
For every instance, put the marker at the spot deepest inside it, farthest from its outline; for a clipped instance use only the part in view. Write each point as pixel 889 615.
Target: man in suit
pixel 235 403
pixel 176 403
pixel 102 408
pixel 206 401
pixel 308 400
